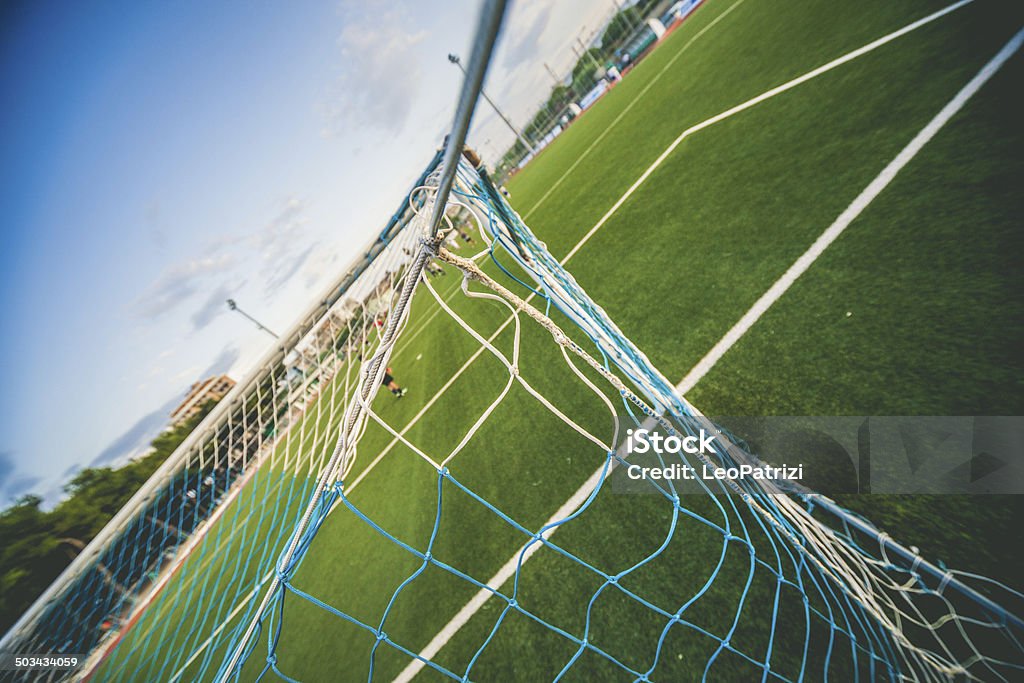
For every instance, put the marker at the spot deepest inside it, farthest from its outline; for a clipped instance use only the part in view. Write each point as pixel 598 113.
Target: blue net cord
pixel 848 591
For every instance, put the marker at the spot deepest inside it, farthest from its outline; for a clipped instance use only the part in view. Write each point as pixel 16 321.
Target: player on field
pixel 392 385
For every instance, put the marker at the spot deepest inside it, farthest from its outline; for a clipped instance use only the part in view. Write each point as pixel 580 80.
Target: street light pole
pixel 454 59
pixel 586 51
pixel 234 307
pixel 625 14
pixel 554 77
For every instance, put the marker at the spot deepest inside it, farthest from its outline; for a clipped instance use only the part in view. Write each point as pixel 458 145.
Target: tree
pixel 36 546
pixel 585 73
pixel 561 96
pixel 619 28
pixel 29 557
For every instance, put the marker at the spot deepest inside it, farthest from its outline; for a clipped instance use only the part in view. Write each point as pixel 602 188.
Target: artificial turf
pixel 930 273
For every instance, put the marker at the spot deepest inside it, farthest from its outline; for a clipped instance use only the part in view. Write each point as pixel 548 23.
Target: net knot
pixel 883 537
pixel 946 578
pixel 917 560
pixel 431 244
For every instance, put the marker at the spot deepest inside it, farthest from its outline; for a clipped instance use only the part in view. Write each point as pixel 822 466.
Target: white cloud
pixel 522 40
pixel 281 267
pixel 380 73
pixel 224 361
pixel 284 226
pixel 321 264
pixel 283 245
pixel 178 282
pixel 214 305
pixel 274 253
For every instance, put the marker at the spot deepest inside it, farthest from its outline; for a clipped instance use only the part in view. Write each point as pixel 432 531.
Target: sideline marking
pixel 778 90
pixel 628 107
pixel 861 202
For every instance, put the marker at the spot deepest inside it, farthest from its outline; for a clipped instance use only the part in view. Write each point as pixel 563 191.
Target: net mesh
pixel 319 521
pixel 158 589
pixel 855 606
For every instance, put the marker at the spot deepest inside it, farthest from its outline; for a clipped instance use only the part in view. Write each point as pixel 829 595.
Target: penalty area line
pixel 861 202
pixel 632 103
pixel 768 94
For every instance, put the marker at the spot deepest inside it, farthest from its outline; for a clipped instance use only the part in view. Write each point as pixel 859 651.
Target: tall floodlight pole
pixel 454 59
pixel 576 51
pixel 586 51
pixel 557 80
pixel 234 307
pixel 622 10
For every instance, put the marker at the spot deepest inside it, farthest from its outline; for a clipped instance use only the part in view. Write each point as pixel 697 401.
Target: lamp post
pixel 619 9
pixel 586 50
pixel 553 75
pixel 454 59
pixel 234 307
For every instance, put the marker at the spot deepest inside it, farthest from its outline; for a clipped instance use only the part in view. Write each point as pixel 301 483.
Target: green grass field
pixel 915 310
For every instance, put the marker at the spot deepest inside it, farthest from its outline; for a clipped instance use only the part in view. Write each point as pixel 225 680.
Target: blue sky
pixel 160 157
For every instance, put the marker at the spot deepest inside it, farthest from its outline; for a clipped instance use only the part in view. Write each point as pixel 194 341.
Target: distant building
pixel 209 389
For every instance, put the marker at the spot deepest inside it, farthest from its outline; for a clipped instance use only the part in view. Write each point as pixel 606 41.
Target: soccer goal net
pixel 747 578
pixel 157 589
pixel 424 479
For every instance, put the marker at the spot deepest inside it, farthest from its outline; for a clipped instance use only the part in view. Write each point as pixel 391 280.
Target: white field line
pixel 858 205
pixel 254 593
pixel 593 145
pixel 423 325
pixel 855 208
pixel 849 56
pixel 716 119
